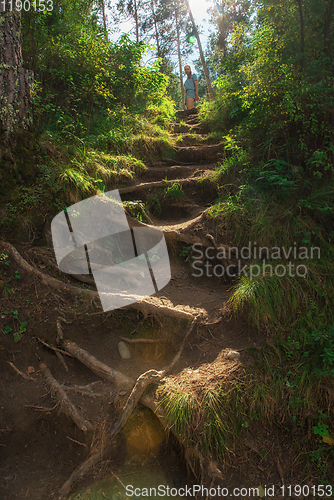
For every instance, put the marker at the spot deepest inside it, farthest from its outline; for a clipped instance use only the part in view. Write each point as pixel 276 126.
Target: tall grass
pixel 82 155
pixel 281 303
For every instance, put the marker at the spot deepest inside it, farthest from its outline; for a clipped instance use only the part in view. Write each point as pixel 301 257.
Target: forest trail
pixel 42 448
pixel 182 213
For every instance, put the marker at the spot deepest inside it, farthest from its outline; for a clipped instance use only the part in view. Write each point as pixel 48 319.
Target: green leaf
pixel 17 337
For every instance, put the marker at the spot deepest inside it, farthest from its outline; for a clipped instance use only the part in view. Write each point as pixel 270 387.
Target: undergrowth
pixel 283 218
pixel 81 156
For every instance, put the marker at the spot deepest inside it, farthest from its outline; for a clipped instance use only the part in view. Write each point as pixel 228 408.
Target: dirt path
pixel 178 213
pixel 40 444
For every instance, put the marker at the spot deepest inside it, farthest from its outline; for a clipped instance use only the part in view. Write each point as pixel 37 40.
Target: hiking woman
pixel 191 87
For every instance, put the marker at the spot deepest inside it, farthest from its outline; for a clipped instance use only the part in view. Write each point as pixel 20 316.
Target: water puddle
pixel 137 482
pixel 146 472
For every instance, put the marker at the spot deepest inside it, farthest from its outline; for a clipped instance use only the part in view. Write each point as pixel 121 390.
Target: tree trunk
pixel 328 19
pixel 104 20
pixel 300 7
pixel 205 68
pixel 155 29
pixel 179 56
pixel 15 83
pixel 136 20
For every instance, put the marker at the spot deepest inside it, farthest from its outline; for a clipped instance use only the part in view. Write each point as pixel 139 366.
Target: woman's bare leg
pixel 190 102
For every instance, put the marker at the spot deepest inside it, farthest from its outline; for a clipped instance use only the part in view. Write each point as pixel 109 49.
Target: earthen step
pixel 189 128
pixel 148 185
pixel 186 112
pixel 199 154
pixel 174 172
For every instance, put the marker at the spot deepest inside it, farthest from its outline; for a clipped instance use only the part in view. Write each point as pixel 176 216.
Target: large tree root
pixel 97 367
pixel 66 404
pixel 148 306
pixel 85 467
pixel 142 382
pixel 87 390
pixel 181 233
pixel 163 183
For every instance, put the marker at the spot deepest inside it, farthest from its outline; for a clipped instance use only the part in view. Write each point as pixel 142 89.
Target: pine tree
pixel 15 83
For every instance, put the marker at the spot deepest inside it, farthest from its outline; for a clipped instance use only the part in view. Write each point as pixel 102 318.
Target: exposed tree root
pixel 163 183
pixel 181 233
pixel 85 467
pixel 140 341
pixel 87 390
pixel 142 382
pixel 66 404
pixel 45 279
pixel 26 377
pixel 100 369
pixel 146 307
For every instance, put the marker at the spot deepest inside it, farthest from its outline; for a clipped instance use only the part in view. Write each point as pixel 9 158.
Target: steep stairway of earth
pixel 191 164
pixel 86 374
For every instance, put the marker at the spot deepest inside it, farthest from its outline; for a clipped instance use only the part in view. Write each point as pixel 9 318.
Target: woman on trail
pixel 191 88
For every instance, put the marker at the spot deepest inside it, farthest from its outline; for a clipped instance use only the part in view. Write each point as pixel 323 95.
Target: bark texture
pixel 179 55
pixel 15 82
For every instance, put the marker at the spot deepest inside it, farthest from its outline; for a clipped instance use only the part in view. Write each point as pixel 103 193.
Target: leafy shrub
pixel 277 175
pixel 318 353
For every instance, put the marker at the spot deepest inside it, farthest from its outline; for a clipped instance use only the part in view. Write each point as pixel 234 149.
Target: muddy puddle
pixel 151 467
pixel 134 481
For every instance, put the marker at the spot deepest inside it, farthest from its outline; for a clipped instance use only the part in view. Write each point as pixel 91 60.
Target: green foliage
pixel 17 335
pixel 154 204
pixel 4 259
pixel 275 97
pixel 5 287
pixel 185 252
pixel 137 210
pixel 13 312
pixel 316 352
pixel 319 202
pixel 174 191
pixel 269 300
pixel 214 418
pixel 77 67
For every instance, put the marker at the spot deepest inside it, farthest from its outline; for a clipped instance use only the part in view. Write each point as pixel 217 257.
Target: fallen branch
pixel 42 408
pixel 66 404
pixel 75 441
pixel 58 352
